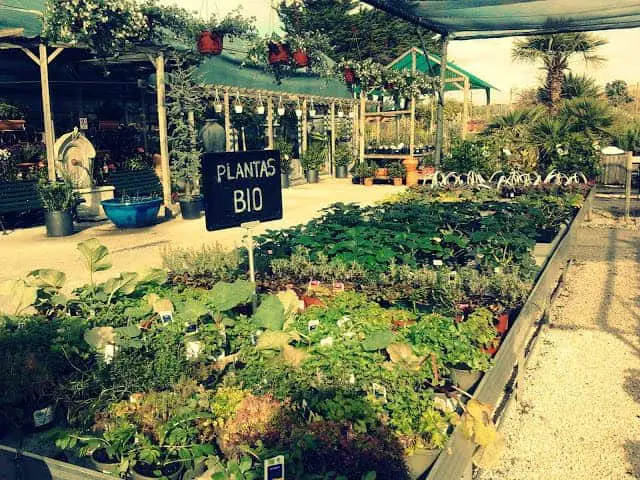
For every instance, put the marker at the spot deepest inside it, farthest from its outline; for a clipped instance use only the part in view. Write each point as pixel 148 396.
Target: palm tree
pixel 555 51
pixel 573 86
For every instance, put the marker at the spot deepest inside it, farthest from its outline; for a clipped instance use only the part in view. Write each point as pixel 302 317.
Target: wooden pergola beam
pixel 11 32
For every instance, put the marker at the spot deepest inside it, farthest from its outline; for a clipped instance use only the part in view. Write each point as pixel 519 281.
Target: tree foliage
pixel 618 93
pixel 356 33
pixel 555 52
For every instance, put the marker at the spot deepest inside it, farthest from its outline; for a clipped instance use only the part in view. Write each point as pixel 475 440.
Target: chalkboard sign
pixel 241 187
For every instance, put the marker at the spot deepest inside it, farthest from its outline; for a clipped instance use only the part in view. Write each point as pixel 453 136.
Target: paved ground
pixel 27 249
pixel 579 411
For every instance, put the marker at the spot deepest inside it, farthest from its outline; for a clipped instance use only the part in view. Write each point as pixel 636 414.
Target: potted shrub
pixel 312 160
pixel 286 151
pixel 365 172
pixel 59 200
pixel 11 117
pixel 184 97
pixel 396 171
pixel 343 158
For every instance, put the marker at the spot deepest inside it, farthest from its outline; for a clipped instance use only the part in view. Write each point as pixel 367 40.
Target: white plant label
pixel 274 468
pixel 313 324
pixel 43 416
pixel 437 262
pixel 193 349
pixel 326 342
pixel 379 392
pixel 166 317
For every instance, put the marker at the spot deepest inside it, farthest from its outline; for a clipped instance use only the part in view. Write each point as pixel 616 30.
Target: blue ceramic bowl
pixel 132 214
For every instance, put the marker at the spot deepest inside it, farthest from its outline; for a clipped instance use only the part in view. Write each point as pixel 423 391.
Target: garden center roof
pixel 21 18
pixel 430 65
pixel 467 19
pixel 228 69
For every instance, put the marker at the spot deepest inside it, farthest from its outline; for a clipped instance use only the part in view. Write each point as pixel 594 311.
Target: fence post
pixel 627 186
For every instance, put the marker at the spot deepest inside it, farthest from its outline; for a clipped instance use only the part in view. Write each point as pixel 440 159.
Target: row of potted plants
pixel 368 323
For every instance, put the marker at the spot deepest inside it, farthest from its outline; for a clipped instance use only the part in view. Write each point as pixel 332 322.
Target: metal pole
pixel 333 136
pixel 270 123
pixel 227 121
pixel 440 110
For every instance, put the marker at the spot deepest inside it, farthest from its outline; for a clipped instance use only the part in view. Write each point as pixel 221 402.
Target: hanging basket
pixel 349 76
pixel 278 53
pixel 300 58
pixel 210 43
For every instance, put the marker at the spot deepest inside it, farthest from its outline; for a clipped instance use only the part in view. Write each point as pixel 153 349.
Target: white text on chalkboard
pixel 247 200
pixel 250 169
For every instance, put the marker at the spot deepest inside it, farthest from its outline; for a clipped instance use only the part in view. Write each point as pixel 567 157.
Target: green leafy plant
pixel 57 196
pixel 396 170
pixel 314 157
pixel 209 262
pixel 343 155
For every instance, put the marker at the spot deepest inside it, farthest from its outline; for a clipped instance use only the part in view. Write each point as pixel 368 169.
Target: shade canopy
pixel 467 19
pixel 430 65
pixel 229 69
pixel 21 14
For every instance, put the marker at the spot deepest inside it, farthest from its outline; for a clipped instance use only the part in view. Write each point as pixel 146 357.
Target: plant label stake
pixel 249 226
pixel 274 468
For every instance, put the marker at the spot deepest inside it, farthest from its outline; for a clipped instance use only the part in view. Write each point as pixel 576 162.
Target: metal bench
pixel 16 197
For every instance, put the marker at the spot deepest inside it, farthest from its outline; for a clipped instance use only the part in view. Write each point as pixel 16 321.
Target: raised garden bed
pixel 397 299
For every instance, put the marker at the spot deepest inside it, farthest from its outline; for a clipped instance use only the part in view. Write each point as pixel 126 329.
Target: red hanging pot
pixel 300 58
pixel 278 53
pixel 210 43
pixel 349 75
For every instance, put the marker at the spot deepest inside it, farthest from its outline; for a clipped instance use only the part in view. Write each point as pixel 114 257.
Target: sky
pixel 488 59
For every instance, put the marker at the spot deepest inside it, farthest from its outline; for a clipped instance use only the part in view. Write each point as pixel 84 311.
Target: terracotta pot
pixel 300 58
pixel 368 182
pixel 349 76
pixel 11 125
pixel 428 170
pixel 503 323
pixel 310 301
pixel 397 182
pixel 382 172
pixel 278 53
pixel 411 164
pixel 210 43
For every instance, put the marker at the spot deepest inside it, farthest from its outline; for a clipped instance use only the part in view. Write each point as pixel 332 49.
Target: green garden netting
pixel 25 14
pixel 467 19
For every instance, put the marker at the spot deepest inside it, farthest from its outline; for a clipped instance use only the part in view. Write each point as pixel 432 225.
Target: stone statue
pixel 74 155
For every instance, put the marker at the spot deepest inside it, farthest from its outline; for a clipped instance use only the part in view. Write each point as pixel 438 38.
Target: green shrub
pixel 212 261
pixel 478 154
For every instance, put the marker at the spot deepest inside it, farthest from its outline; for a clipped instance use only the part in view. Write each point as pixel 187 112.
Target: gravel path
pixel 578 412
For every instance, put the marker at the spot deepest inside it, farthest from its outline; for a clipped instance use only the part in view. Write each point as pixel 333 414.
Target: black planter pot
pixel 284 180
pixel 312 176
pixel 191 208
pixel 59 224
pixel 341 171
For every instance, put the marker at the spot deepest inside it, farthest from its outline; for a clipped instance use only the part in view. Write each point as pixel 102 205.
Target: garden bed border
pixel 509 363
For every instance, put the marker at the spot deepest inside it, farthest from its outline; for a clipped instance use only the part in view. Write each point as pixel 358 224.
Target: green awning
pixel 467 19
pixel 430 65
pixel 229 69
pixel 26 14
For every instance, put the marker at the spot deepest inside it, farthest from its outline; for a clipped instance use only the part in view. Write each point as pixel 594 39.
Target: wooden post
pixel 333 136
pixel 270 143
pixel 363 111
pixel 162 127
pixel 49 140
pixel 305 124
pixel 440 111
pixel 227 121
pixel 356 129
pixel 465 107
pixel 627 187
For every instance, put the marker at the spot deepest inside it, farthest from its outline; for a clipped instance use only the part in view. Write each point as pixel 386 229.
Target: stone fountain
pixel 74 155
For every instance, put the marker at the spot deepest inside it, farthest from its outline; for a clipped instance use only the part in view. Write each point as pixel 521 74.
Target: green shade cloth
pixel 430 65
pixel 25 14
pixel 466 19
pixel 228 70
